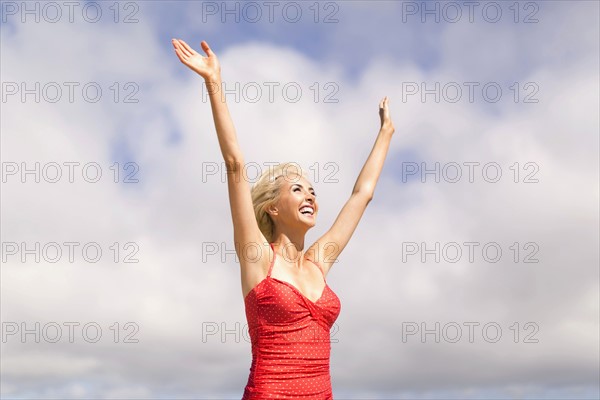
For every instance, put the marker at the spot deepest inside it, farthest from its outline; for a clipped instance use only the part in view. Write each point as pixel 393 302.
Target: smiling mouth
pixel 307 210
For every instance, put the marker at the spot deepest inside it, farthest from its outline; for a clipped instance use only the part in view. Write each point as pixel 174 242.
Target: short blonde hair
pixel 266 191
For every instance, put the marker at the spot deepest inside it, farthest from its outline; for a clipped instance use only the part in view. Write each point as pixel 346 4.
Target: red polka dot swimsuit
pixel 290 340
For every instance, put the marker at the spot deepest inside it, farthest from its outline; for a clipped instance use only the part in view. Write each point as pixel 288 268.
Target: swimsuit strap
pixel 272 261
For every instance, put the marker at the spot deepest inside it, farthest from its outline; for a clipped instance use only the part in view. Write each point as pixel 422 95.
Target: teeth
pixel 306 208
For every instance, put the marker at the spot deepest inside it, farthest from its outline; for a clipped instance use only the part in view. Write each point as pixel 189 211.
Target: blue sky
pixel 177 207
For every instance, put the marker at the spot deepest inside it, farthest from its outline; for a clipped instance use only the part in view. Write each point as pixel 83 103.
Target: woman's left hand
pixel 384 115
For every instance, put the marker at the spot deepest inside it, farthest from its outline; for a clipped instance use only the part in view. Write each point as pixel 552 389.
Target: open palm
pixel 207 67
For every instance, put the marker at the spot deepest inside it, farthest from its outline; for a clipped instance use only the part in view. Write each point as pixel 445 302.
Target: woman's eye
pixel 313 193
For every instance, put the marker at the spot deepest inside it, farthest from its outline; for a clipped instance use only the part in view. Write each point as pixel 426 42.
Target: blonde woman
pixel 289 306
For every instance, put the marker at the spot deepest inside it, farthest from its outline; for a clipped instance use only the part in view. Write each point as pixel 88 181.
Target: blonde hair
pixel 266 191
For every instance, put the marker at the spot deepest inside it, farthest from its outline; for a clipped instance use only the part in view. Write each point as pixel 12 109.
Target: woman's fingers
pixel 383 103
pixel 384 112
pixel 178 49
pixel 190 51
pixel 206 48
pixel 179 54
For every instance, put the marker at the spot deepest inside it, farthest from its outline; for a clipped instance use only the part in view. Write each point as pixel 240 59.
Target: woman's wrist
pixel 213 84
pixel 212 79
pixel 387 128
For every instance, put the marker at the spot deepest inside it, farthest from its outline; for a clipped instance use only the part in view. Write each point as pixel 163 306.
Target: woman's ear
pixel 272 210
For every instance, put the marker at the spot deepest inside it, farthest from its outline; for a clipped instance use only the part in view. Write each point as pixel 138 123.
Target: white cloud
pixel 173 210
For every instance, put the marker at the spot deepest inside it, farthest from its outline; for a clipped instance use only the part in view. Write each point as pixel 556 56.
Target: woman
pixel 289 306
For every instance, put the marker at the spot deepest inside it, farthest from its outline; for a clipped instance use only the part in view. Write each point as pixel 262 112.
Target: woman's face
pixel 297 203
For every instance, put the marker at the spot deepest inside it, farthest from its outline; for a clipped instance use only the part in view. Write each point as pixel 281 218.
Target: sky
pixel 473 273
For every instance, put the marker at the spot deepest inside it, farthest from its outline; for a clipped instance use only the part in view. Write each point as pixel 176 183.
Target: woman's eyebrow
pixel 297 184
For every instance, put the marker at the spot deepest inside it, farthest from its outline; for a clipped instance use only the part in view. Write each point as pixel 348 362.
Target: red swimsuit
pixel 290 341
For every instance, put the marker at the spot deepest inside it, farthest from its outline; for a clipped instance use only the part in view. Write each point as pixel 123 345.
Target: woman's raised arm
pixel 209 68
pixel 245 227
pixel 329 246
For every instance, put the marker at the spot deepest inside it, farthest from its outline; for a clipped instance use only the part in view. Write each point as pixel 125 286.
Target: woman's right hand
pixel 207 67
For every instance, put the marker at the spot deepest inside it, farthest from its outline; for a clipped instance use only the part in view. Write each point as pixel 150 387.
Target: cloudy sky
pixel 473 273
